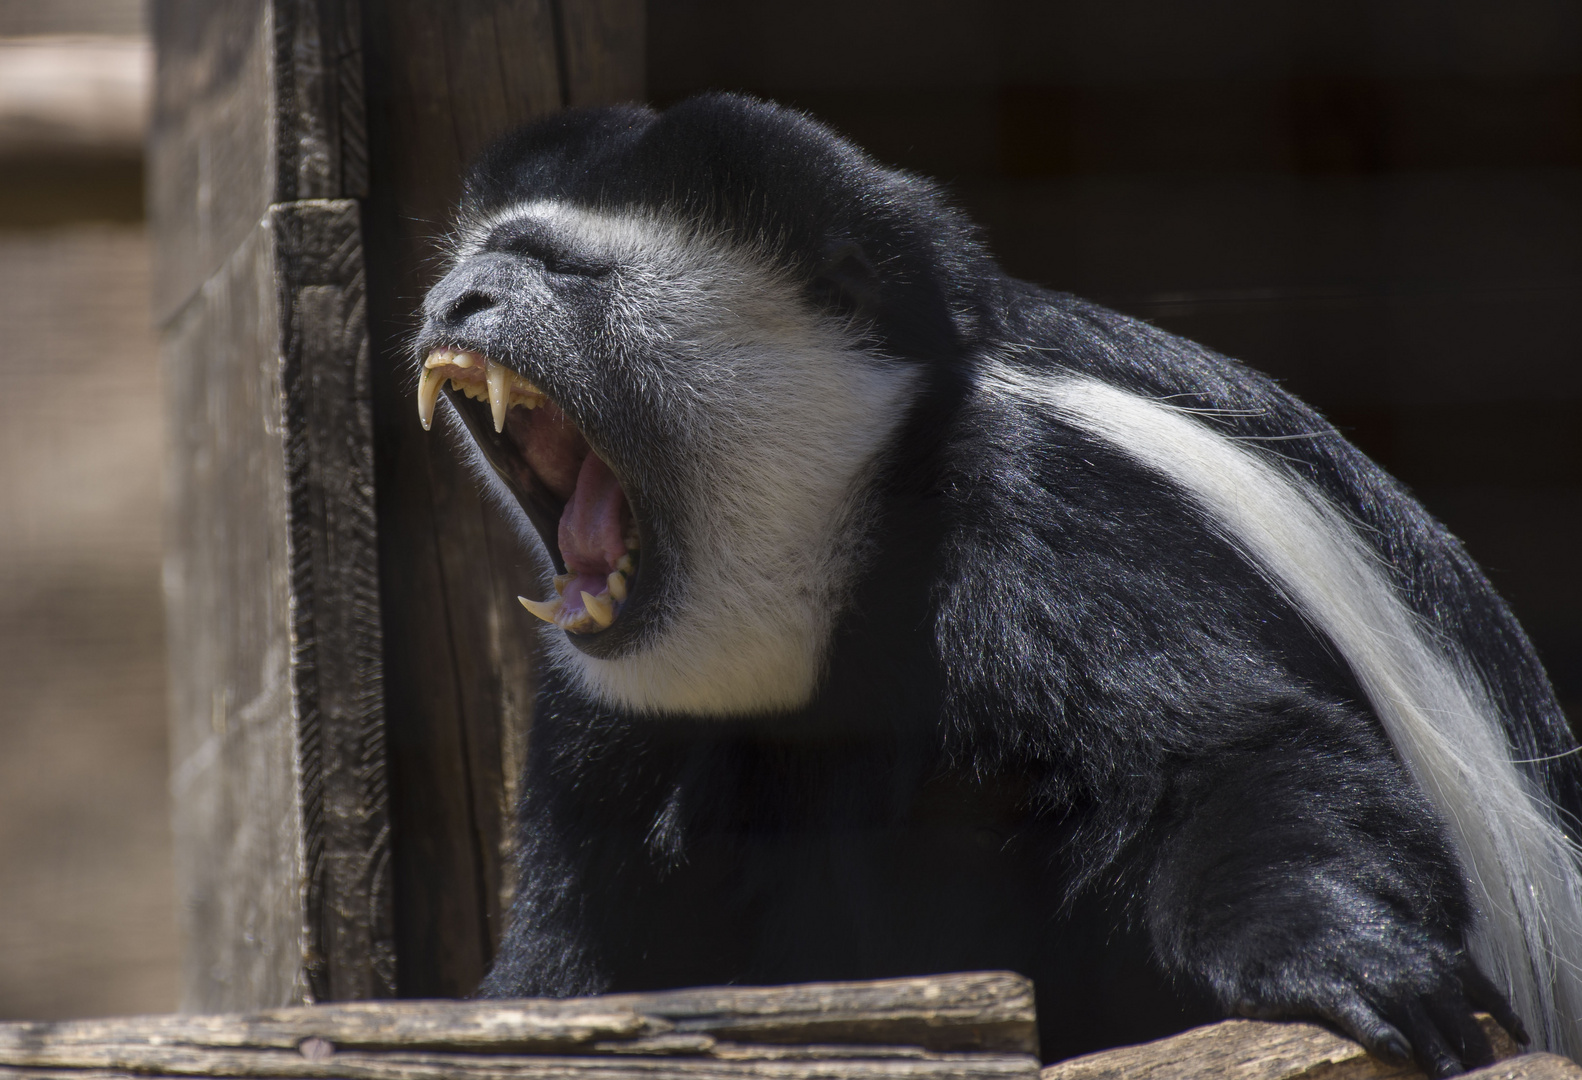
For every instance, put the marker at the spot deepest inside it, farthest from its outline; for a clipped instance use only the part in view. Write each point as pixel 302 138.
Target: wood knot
pixel 316 1049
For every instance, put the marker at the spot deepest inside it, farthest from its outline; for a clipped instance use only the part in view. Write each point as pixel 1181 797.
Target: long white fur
pixel 783 417
pixel 1522 869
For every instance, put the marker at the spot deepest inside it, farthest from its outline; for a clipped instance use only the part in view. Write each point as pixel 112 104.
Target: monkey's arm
pixel 545 950
pixel 1297 873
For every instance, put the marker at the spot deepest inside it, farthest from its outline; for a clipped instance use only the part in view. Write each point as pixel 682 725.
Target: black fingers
pixel 1378 1036
pixel 1432 1051
pixel 1486 996
pixel 1450 1014
pixel 1444 1035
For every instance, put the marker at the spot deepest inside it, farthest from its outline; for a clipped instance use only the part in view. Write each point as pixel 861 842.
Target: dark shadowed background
pixel 1378 201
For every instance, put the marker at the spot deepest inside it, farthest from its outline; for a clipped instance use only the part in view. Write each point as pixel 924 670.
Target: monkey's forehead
pixel 737 166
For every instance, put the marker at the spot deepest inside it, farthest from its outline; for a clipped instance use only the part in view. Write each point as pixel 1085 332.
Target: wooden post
pixel 256 162
pixel 444 80
pixel 309 646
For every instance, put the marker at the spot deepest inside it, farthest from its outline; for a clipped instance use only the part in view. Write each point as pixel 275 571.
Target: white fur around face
pixel 782 420
pixel 1522 868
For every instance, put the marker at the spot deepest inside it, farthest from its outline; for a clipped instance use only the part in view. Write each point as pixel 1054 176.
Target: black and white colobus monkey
pixel 913 618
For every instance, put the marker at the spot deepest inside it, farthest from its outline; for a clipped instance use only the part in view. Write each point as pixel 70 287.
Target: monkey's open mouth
pixel 568 491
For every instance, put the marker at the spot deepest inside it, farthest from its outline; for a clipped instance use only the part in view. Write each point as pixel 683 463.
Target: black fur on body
pixel 1061 722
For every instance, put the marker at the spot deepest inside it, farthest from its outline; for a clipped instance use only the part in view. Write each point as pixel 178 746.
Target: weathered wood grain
pixel 256 102
pixel 444 80
pixel 958 1025
pixel 1249 1050
pixel 1530 1067
pixel 319 112
pixel 277 696
pixel 237 813
pixel 974 1011
pixel 210 174
pixel 1526 1067
pixel 337 676
pixel 967 1025
pixel 363 1066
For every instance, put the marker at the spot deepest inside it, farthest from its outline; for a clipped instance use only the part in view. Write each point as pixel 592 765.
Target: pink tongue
pixel 592 529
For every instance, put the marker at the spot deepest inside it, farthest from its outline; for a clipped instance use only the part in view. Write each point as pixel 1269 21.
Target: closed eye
pixel 531 240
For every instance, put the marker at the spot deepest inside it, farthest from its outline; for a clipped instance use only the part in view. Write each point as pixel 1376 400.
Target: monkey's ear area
pixel 847 281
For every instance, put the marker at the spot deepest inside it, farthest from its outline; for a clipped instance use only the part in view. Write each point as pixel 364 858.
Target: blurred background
pixel 87 923
pixel 1378 201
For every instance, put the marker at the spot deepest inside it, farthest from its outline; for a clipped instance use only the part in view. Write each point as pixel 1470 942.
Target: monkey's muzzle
pixel 570 492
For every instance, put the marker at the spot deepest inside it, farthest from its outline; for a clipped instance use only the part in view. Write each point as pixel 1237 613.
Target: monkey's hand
pixel 1426 1017
pixel 1302 876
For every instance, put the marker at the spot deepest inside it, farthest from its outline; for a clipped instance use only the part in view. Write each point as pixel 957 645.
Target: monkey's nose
pixel 465 306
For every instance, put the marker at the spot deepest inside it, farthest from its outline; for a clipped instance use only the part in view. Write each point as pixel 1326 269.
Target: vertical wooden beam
pixel 256 163
pixel 444 80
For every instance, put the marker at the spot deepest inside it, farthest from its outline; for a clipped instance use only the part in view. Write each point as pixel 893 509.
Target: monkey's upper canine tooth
pixel 544 609
pixel 601 608
pixel 428 387
pixel 498 402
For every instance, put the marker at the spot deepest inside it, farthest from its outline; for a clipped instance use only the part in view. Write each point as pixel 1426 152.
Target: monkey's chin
pixel 568 491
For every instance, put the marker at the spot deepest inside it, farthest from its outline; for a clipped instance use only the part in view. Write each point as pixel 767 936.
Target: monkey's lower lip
pixel 568 491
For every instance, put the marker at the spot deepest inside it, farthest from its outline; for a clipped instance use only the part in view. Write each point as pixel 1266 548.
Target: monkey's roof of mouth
pixel 568 490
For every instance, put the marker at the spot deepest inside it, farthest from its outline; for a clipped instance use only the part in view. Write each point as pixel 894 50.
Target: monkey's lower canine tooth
pixel 544 609
pixel 561 581
pixel 428 386
pixel 498 402
pixel 617 584
pixel 600 608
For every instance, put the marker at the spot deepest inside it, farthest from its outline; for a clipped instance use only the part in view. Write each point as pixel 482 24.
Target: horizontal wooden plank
pixel 362 1065
pixel 917 1021
pixel 1248 1050
pixel 1530 1067
pixel 978 1011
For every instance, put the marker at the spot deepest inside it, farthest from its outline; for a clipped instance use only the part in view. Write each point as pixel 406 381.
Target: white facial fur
pixel 781 420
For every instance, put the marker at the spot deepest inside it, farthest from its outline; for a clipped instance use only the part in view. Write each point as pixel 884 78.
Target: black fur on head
pixel 773 180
